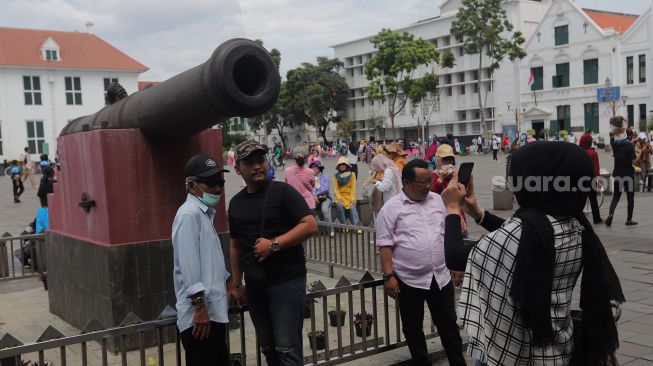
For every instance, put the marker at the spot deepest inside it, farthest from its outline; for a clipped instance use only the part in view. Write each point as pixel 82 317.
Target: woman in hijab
pixel 586 144
pixel 430 153
pixel 390 185
pixel 517 292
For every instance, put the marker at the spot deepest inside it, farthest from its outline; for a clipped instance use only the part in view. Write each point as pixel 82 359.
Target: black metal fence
pixel 22 255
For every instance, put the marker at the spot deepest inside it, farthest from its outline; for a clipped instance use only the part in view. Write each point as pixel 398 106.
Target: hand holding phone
pixel 465 173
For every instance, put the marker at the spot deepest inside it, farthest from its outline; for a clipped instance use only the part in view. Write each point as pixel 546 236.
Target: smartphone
pixel 465 173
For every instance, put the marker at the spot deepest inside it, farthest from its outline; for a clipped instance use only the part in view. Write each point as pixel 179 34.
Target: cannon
pixel 239 79
pixel 122 180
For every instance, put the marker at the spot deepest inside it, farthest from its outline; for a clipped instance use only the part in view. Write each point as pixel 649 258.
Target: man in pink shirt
pixel 302 178
pixel 410 237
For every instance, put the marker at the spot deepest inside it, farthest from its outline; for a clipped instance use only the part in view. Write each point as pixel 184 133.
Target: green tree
pixel 345 128
pixel 316 93
pixel 391 70
pixel 484 29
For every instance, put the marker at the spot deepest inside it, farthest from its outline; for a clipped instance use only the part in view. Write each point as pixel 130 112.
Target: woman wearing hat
pixel 321 193
pixel 344 188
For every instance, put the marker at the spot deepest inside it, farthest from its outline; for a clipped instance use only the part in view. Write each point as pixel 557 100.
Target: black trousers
pixel 354 169
pixel 629 187
pixel 494 154
pixel 443 312
pixel 594 204
pixel 209 351
pixel 18 187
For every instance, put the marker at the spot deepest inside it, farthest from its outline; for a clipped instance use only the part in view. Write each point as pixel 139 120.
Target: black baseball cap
pixel 203 166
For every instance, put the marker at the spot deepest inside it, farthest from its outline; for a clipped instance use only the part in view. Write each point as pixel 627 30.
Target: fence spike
pixel 25 233
pixel 167 313
pixel 343 282
pixel 92 325
pixel 317 286
pixel 130 319
pixel 8 340
pixel 49 334
pixel 367 277
pixel 6 234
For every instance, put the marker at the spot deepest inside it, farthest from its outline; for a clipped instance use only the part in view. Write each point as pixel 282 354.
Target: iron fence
pixel 334 333
pixel 22 256
pixel 351 247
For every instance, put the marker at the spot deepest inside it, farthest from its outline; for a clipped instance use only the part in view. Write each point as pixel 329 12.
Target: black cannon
pixel 239 79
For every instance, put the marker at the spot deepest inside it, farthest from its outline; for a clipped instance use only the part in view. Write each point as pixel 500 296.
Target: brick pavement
pixel 630 249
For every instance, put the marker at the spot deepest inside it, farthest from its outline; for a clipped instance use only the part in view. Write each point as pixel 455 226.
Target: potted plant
pixel 337 317
pixel 563 135
pixel 530 132
pixel 317 340
pixel 358 323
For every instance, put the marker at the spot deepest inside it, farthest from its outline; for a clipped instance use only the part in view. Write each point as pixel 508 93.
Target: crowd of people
pixel 517 281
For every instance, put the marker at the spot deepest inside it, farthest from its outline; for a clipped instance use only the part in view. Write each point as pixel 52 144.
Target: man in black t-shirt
pixel 623 172
pixel 268 221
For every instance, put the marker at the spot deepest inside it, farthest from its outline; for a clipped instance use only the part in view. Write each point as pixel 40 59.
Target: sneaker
pixel 630 223
pixel 608 221
pixel 333 235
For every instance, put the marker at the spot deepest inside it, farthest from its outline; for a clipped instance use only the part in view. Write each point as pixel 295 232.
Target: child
pixel 16 181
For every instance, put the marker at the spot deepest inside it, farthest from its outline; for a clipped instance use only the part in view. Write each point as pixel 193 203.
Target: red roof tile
pixel 21 47
pixel 606 19
pixel 142 85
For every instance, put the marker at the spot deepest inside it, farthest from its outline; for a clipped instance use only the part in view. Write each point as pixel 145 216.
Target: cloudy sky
pixel 171 36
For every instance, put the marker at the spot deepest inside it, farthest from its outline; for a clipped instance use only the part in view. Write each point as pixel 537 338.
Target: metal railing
pixel 328 341
pixel 22 256
pixel 351 247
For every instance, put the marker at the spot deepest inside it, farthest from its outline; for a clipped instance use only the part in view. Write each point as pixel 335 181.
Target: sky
pixel 170 36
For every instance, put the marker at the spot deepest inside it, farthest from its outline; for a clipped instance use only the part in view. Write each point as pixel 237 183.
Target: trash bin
pixel 502 197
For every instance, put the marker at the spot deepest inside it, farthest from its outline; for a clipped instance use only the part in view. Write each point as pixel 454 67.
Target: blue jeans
pixel 479 363
pixel 353 215
pixel 324 208
pixel 277 312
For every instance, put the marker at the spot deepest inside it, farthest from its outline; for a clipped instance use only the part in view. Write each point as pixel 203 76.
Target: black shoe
pixel 599 221
pixel 630 223
pixel 608 221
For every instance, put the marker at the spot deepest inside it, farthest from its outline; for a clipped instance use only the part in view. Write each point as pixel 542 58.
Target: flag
pixel 531 79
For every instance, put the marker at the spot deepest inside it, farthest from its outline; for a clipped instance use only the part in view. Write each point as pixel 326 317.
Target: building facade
pixel 574 56
pixel 454 108
pixel 48 78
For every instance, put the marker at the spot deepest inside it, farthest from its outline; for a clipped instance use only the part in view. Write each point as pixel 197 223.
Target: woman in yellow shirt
pixel 344 187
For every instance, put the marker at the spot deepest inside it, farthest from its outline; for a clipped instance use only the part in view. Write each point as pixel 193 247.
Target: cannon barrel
pixel 239 79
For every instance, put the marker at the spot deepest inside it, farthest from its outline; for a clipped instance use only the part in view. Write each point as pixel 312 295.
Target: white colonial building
pixel 48 78
pixel 573 53
pixel 455 108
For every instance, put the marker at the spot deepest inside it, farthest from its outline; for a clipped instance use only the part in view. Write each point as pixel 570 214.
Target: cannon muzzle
pixel 239 79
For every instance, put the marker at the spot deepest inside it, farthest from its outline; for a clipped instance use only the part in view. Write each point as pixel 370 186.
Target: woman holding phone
pixel 519 278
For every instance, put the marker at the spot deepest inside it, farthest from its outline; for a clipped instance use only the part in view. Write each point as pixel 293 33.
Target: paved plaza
pixel 24 304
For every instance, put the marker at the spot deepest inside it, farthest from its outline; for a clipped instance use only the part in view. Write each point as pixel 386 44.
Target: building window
pixel 475 75
pixel 631 115
pixel 461 51
pixel 591 71
pixel 463 116
pixel 592 117
pixel 561 78
pixel 538 78
pixel 629 70
pixel 476 127
pixel 73 90
pixel 462 128
pixel 108 81
pixel 561 35
pixel 642 117
pixel 351 72
pixel 51 55
pixel 447 79
pixel 32 87
pixel 462 90
pixel 449 128
pixel 1 153
pixel 642 68
pixel 475 87
pixel 461 77
pixel 35 136
pixel 449 91
pixel 564 117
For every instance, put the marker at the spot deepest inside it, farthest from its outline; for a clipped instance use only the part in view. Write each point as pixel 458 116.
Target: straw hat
pixel 343 160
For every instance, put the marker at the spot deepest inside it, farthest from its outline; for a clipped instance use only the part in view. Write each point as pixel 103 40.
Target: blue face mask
pixel 209 199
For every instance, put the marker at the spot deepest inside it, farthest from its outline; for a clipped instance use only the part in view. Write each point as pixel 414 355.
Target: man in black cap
pixel 200 275
pixel 268 221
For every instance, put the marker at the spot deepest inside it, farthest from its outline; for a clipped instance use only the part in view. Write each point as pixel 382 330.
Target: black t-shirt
pixel 284 209
pixel 624 154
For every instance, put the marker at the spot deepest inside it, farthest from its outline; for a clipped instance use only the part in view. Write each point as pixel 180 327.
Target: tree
pixel 316 93
pixel 484 28
pixel 391 70
pixel 344 128
pixel 275 118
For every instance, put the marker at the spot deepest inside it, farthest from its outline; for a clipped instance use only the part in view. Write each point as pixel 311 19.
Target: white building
pixel 455 108
pixel 573 52
pixel 48 78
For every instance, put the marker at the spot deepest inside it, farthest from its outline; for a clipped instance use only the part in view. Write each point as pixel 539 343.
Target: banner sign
pixel 608 94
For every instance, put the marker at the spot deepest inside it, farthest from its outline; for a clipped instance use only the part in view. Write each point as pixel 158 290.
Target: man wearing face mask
pixel 200 275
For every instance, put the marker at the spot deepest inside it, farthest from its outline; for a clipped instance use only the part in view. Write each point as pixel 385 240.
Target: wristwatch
pixel 198 301
pixel 275 246
pixel 386 277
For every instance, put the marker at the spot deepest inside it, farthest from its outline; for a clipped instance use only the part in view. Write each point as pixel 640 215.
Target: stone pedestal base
pixel 106 283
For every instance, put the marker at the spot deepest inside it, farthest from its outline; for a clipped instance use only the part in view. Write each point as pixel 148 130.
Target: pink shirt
pixel 303 180
pixel 416 232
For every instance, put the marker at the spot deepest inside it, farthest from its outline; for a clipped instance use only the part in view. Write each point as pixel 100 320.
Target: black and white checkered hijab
pixel 533 279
